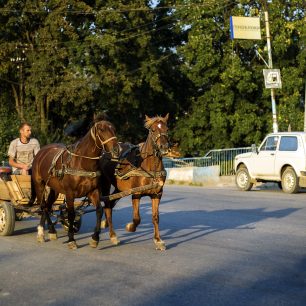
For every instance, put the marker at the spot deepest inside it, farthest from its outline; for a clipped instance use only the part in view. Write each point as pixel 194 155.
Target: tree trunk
pixel 43 119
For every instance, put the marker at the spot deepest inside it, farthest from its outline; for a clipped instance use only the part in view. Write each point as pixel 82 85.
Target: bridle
pixel 95 136
pixel 154 138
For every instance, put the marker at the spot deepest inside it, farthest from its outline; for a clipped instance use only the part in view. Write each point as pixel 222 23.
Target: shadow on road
pixel 186 225
pixel 223 286
pixel 178 226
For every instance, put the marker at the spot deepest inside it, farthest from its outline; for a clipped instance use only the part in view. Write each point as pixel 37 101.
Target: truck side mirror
pixel 254 149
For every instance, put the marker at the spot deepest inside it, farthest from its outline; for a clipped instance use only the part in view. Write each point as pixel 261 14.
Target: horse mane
pixel 150 121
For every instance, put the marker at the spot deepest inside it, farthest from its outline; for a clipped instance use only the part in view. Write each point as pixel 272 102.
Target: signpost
pixel 249 28
pixel 272 78
pixel 274 118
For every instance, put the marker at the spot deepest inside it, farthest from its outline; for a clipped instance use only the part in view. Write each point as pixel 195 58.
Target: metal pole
pixel 274 117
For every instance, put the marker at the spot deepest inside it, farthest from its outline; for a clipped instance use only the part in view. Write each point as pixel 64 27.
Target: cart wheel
pixel 76 226
pixel 7 219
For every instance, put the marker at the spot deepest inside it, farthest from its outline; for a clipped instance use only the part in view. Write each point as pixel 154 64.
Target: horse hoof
pixel 53 236
pixel 93 243
pixel 104 224
pixel 72 245
pixel 160 245
pixel 115 241
pixel 40 239
pixel 130 227
pixel 40 234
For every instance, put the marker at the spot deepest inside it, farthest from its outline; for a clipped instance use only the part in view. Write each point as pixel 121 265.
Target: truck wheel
pixel 290 182
pixel 243 180
pixel 7 219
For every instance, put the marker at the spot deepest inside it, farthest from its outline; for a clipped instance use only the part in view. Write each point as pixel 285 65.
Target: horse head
pixel 158 131
pixel 103 133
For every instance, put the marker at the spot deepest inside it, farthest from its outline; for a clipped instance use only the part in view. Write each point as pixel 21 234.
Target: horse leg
pixel 105 191
pixel 159 244
pixel 40 187
pixel 40 227
pixel 131 227
pixel 51 199
pixel 106 186
pixel 71 217
pixel 104 223
pixel 95 199
pixel 109 215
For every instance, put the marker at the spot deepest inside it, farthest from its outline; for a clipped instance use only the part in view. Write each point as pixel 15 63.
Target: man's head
pixel 25 130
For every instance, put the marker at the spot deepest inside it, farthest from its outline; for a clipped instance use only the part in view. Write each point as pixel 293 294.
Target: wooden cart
pixel 15 194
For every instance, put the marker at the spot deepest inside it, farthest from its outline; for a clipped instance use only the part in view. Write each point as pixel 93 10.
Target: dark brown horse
pixel 139 166
pixel 75 173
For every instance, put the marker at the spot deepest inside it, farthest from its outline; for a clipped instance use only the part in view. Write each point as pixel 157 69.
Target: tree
pixel 38 47
pixel 83 57
pixel 132 50
pixel 230 107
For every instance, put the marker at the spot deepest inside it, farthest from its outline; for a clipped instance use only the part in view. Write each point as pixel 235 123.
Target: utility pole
pixel 274 117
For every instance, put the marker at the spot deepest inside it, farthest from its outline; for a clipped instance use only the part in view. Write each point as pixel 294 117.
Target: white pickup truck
pixel 280 158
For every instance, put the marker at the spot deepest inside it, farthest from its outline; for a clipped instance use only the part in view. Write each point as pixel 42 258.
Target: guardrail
pixel 224 158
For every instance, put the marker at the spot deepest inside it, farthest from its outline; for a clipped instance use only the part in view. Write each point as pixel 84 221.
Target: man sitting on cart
pixel 22 150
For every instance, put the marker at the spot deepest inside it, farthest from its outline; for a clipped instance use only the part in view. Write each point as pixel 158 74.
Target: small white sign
pixel 272 78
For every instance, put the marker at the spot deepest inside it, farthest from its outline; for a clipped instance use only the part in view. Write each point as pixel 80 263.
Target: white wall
pixel 194 174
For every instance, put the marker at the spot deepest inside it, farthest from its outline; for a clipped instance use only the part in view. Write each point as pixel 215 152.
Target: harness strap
pixel 54 160
pixel 70 171
pixel 107 140
pixel 77 155
pixel 61 172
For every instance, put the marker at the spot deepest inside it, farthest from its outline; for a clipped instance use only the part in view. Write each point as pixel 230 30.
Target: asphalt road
pixel 224 247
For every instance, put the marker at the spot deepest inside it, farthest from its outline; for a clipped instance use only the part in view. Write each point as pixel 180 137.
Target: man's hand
pixel 24 169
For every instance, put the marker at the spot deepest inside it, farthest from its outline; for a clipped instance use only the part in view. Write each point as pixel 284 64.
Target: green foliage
pixel 8 124
pixel 230 106
pixel 66 60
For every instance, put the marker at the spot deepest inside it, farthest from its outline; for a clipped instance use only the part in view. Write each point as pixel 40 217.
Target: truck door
pixel 266 158
pixel 290 152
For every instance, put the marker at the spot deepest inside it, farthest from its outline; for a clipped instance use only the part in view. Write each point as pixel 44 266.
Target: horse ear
pixel 166 117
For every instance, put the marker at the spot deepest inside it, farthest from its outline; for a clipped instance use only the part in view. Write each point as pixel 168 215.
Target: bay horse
pixel 139 165
pixel 73 171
